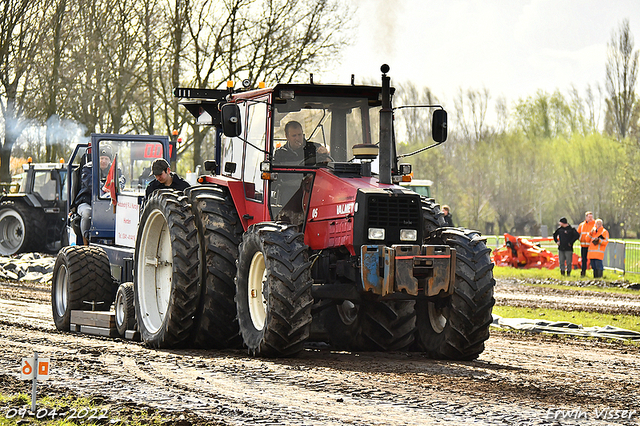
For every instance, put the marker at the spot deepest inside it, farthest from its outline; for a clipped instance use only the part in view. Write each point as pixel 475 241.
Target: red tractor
pixel 327 248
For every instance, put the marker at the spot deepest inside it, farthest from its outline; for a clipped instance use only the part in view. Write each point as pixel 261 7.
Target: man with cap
pixel 164 178
pixel 82 201
pixel 106 156
pixel 564 237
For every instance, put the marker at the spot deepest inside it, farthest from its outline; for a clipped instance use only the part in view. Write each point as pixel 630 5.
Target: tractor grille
pixel 385 211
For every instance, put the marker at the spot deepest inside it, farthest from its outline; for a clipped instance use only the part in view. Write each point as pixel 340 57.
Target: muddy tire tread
pixel 220 232
pixel 89 280
pixel 185 292
pixel 469 310
pixel 288 290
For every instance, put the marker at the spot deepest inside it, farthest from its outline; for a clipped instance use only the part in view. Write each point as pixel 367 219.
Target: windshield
pixel 133 163
pixel 327 127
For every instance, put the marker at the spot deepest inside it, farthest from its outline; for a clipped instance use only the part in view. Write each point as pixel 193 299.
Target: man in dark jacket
pixel 164 178
pixel 564 237
pixel 446 215
pixel 298 151
pixel 82 202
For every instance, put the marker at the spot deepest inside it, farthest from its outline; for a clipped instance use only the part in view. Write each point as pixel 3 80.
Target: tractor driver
pixel 164 178
pixel 83 199
pixel 293 152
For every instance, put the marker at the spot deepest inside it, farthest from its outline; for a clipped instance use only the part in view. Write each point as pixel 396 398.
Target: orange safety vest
pixel 597 251
pixel 583 229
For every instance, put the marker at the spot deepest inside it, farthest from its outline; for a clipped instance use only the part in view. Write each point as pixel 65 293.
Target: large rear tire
pixel 457 327
pixel 273 290
pixel 81 274
pixel 220 232
pixel 21 230
pixel 167 278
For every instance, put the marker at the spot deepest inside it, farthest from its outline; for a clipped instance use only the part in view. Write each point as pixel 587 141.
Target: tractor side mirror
pixel 439 125
pixel 231 123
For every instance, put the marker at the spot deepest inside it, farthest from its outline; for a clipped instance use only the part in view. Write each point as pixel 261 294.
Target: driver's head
pixel 293 133
pixel 105 157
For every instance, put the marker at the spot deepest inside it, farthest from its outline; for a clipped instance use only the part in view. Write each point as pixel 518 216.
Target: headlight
pixel 408 235
pixel 376 233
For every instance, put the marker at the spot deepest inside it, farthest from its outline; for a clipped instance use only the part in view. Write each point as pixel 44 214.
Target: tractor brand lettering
pixel 345 208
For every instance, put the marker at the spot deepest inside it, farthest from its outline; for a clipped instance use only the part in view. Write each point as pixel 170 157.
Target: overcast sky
pixel 511 47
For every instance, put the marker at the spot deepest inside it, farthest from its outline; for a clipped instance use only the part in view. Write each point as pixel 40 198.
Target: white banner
pixel 127 217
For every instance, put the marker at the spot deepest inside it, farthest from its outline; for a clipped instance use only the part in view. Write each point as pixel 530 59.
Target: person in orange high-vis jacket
pixel 599 240
pixel 585 239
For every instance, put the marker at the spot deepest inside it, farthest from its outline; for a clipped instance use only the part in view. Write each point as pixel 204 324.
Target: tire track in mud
pixel 241 391
pixel 233 389
pixel 515 381
pixel 511 292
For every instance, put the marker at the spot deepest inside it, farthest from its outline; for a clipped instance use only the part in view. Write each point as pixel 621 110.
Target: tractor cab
pixel 128 158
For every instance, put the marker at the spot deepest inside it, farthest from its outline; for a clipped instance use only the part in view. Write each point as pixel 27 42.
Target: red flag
pixel 111 185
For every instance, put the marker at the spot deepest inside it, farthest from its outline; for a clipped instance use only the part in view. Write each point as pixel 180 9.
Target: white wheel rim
pixel 120 309
pixel 348 312
pixel 62 290
pixel 11 232
pixel 257 302
pixel 436 319
pixel 155 271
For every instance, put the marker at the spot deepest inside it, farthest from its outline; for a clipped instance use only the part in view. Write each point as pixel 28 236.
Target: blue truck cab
pixel 114 222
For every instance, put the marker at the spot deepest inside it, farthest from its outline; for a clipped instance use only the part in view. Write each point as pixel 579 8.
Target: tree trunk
pixel 12 130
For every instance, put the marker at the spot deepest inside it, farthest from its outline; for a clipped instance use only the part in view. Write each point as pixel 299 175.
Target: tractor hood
pixel 342 208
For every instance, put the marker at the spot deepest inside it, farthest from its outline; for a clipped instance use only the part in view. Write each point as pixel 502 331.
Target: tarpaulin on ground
pixel 564 327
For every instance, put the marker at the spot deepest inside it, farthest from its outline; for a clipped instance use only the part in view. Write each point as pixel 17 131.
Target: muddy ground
pixel 520 379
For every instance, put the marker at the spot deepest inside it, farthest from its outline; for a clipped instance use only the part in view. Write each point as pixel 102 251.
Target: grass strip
pixel 71 411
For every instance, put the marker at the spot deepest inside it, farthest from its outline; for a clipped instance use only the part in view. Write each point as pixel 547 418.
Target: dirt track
pixel 519 379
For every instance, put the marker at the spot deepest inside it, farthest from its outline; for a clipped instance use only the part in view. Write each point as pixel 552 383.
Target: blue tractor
pixel 90 277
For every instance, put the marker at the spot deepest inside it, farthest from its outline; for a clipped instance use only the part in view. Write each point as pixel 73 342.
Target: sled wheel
pixel 219 232
pixel 273 290
pixel 457 327
pixel 167 279
pixel 81 278
pixel 125 309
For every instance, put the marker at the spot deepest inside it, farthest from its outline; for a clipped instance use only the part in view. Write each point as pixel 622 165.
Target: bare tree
pixel 622 74
pixel 124 61
pixel 150 41
pixel 272 41
pixel 20 37
pixel 471 112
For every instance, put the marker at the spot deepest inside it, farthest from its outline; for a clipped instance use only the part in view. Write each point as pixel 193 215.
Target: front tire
pixel 81 274
pixel 167 279
pixel 457 327
pixel 273 290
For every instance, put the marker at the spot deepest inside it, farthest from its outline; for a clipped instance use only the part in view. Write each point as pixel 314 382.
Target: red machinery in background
pixel 521 252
